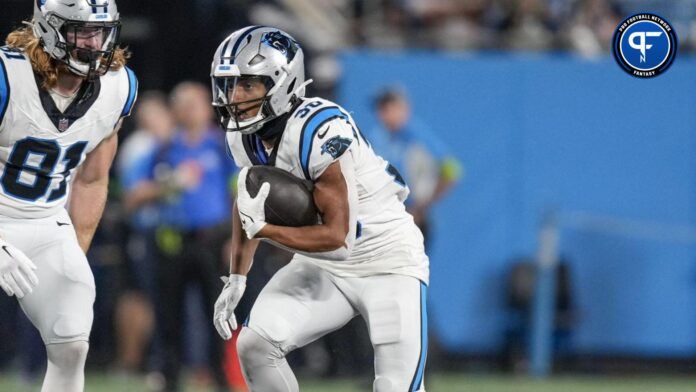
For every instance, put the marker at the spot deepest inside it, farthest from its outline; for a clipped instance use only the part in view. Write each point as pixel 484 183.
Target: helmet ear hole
pixel 291 86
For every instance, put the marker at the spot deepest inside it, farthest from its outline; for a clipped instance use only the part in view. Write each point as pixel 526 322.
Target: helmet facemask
pixel 236 98
pixel 92 61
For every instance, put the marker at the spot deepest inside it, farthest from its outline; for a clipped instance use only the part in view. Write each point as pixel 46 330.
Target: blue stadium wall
pixel 553 131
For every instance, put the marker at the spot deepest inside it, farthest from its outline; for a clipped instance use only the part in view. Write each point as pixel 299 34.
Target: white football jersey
pixel 40 146
pixel 317 133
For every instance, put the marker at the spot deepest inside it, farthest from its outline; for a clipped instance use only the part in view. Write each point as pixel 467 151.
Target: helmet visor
pixel 241 100
pixel 92 43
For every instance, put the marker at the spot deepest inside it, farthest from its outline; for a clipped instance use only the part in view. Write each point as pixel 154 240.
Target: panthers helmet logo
pixel 282 43
pixel 336 146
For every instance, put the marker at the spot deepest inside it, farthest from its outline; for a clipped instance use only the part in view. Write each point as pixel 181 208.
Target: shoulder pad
pixel 325 135
pixel 130 92
pixel 4 90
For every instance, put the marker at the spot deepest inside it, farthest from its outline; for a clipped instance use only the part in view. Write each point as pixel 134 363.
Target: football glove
pixel 250 208
pixel 17 275
pixel 226 303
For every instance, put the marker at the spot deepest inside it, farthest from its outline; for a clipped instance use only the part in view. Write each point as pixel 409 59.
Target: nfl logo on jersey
pixel 63 124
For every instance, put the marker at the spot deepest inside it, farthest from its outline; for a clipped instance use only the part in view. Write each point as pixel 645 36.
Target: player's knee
pixel 383 384
pixel 68 355
pixel 73 326
pixel 253 349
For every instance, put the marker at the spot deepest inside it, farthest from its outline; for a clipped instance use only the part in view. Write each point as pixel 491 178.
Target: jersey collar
pixel 86 96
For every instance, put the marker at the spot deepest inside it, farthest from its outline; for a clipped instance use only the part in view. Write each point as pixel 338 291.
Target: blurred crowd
pixel 582 27
pixel 175 42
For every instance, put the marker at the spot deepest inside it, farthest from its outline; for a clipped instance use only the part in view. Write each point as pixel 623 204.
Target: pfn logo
pixel 644 45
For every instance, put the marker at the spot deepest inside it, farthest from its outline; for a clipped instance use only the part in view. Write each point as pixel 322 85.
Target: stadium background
pixel 527 96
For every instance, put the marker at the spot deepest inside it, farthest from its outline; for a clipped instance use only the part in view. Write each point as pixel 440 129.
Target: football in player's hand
pixel 290 201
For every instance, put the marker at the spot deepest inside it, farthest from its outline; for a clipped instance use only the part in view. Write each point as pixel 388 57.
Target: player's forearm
pixel 331 195
pixel 243 249
pixel 312 239
pixel 86 207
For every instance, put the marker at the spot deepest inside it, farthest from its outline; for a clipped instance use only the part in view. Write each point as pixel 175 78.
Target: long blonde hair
pixel 24 39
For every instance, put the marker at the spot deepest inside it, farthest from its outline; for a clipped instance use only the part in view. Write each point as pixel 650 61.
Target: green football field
pixel 436 383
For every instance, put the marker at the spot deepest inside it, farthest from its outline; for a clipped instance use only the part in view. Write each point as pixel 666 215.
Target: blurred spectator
pixel 451 24
pixel 107 255
pixel 384 24
pixel 191 177
pixel 422 159
pixel 527 26
pixel 134 313
pixel 592 27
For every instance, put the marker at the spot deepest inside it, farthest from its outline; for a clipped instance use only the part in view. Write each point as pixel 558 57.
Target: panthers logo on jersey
pixel 282 43
pixel 336 146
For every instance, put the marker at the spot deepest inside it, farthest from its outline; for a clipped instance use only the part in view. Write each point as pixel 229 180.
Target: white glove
pixel 17 275
pixel 226 303
pixel 251 209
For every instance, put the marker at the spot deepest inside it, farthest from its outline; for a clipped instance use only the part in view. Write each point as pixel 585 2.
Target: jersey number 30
pixel 49 151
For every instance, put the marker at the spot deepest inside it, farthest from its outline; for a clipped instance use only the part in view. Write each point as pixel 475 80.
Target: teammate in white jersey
pixel 365 258
pixel 64 90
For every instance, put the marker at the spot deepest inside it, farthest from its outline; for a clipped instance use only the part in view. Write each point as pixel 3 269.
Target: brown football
pixel 290 200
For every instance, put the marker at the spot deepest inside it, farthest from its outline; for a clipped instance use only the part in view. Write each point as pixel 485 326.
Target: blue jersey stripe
pixel 241 38
pixel 132 92
pixel 260 150
pixel 315 121
pixel 4 90
pixel 420 370
pixel 227 149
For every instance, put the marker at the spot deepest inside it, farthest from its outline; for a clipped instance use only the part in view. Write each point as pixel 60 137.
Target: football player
pixel 64 90
pixel 365 258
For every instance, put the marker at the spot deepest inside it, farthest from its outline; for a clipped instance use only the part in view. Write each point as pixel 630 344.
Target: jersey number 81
pixel 49 151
